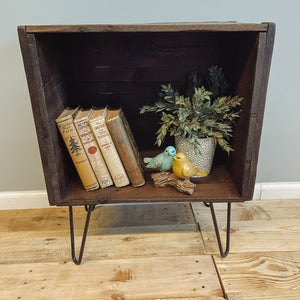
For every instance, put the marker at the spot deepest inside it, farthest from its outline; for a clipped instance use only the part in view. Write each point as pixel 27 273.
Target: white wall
pixel 279 154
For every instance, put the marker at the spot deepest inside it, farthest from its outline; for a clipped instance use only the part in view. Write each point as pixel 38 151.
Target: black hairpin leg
pixel 212 210
pixel 89 209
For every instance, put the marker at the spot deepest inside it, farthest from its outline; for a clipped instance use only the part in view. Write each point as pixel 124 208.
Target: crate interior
pixel 126 69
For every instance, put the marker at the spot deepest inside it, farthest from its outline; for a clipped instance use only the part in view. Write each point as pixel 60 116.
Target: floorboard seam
pixel 219 277
pixel 200 231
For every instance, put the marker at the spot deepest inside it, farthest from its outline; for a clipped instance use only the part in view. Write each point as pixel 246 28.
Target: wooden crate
pixel 124 65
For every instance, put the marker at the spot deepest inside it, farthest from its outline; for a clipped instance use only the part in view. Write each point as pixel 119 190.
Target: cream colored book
pixel 108 149
pixel 91 147
pixel 73 143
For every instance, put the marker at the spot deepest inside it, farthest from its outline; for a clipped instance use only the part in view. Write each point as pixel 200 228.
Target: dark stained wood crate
pixel 123 66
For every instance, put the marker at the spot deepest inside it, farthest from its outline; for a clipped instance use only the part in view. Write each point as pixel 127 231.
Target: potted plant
pixel 198 119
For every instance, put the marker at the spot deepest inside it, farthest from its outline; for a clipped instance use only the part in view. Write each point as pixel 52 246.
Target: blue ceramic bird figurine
pixel 162 161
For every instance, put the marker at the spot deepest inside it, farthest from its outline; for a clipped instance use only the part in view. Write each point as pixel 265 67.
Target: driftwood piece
pixel 163 179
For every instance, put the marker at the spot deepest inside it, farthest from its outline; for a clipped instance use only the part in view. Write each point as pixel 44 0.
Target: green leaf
pixel 218 135
pixel 199 113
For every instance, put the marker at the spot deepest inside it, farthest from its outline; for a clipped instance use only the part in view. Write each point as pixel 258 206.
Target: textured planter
pixel 203 161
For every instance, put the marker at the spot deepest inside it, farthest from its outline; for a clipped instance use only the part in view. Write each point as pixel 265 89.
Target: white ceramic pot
pixel 203 161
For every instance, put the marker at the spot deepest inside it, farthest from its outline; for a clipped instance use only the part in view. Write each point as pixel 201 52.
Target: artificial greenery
pixel 200 113
pixel 217 82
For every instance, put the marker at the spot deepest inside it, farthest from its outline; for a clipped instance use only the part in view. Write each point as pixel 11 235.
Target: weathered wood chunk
pixel 163 179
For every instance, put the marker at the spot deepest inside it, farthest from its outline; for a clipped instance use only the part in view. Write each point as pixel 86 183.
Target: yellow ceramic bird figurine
pixel 183 168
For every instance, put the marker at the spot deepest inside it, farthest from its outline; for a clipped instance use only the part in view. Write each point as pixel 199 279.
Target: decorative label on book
pixel 73 143
pixel 91 147
pixel 105 142
pixel 92 150
pixel 74 146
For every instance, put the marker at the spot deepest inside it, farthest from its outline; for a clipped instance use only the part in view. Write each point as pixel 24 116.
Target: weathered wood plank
pixel 105 219
pixel 261 295
pixel 258 107
pixel 218 187
pixel 252 237
pixel 37 95
pixel 151 27
pixel 251 211
pixel 155 277
pixel 254 226
pixel 261 274
pixel 42 235
pixel 27 248
pixel 194 298
pixel 36 264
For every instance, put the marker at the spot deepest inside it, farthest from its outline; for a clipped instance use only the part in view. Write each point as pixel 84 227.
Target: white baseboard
pixel 39 199
pixel 276 190
pixel 23 200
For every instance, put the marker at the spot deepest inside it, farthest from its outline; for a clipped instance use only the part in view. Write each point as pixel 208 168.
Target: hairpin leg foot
pixel 212 210
pixel 89 209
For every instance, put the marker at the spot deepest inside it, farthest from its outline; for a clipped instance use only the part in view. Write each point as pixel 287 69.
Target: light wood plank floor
pixel 153 251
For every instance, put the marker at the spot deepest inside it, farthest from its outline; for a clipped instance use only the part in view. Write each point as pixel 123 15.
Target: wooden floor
pixel 153 251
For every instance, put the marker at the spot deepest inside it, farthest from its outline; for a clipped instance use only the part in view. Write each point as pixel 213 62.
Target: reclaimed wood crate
pixel 123 66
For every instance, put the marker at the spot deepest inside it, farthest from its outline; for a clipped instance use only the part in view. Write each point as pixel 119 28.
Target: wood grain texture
pixel 164 179
pixel 35 67
pixel 104 218
pixel 31 65
pixel 194 298
pixel 245 237
pixel 213 26
pixel 216 187
pixel 258 104
pixel 115 232
pixel 258 210
pixel 52 248
pixel 151 252
pixel 265 295
pixel 113 279
pixel 261 273
pixel 255 226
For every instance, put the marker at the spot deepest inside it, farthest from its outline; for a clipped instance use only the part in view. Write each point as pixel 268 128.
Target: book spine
pixel 93 153
pixel 123 140
pixel 77 153
pixel 109 152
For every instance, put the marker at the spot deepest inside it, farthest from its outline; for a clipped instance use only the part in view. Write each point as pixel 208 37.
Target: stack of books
pixel 102 147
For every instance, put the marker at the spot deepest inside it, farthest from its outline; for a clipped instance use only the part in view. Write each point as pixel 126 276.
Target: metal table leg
pixel 212 210
pixel 89 209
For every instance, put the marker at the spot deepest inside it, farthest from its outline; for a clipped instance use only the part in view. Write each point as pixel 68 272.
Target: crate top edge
pixel 150 27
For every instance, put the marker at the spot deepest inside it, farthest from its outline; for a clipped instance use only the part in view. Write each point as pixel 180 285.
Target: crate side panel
pixel 47 98
pixel 32 70
pixel 57 98
pixel 245 76
pixel 247 135
pixel 268 40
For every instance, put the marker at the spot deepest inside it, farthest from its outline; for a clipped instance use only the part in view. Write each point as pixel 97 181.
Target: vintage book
pixel 126 146
pixel 91 147
pixel 69 134
pixel 108 149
